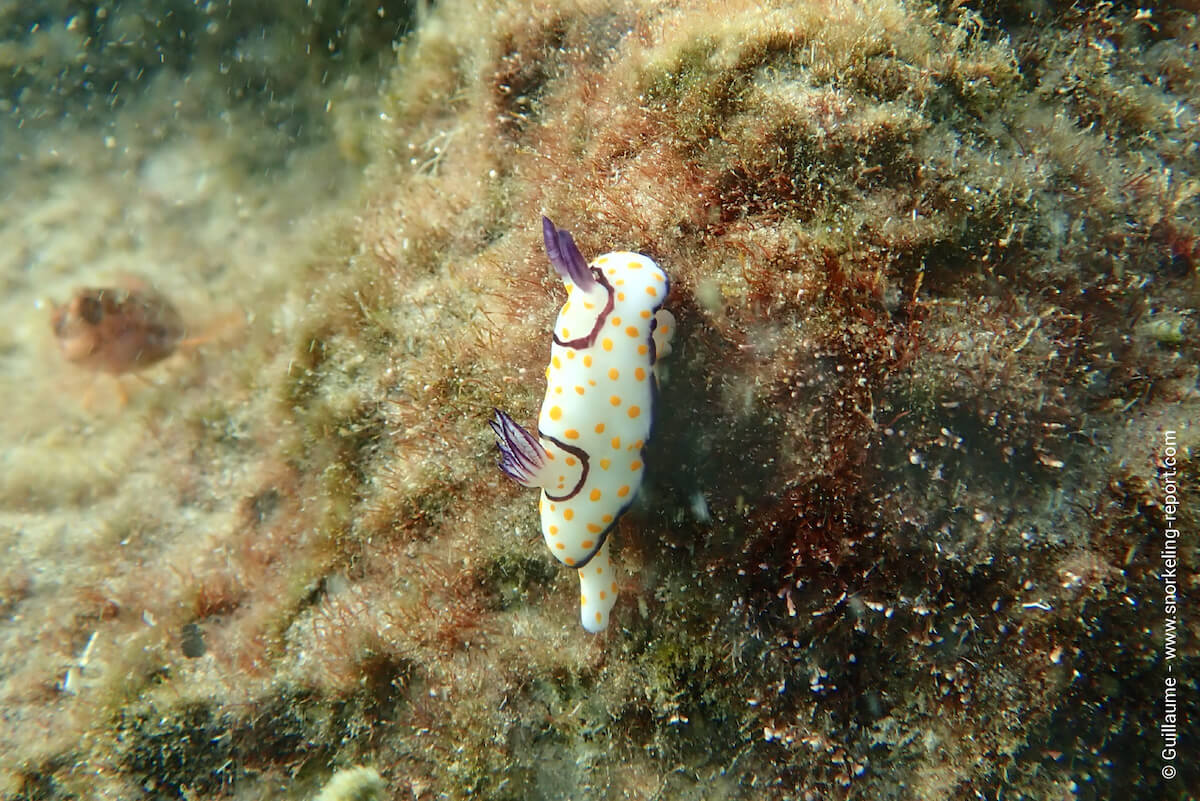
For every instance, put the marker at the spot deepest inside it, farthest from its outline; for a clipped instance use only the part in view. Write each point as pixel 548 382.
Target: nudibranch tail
pixel 522 457
pixel 565 256
pixel 597 591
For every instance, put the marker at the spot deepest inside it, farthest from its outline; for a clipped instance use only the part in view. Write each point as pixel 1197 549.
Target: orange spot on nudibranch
pixel 555 413
pixel 631 331
pixel 568 514
pixel 635 465
pixel 599 428
pixel 615 400
pixel 639 374
pixel 571 433
pixel 595 496
pixel 606 343
pixel 613 374
pixel 634 411
pixel 622 492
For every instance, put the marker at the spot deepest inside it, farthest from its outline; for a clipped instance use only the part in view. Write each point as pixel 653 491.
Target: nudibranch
pixel 588 454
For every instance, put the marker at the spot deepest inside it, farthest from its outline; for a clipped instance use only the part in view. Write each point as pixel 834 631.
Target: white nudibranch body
pixel 587 456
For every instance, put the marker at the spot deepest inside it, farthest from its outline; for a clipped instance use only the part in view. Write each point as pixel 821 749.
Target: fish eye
pixel 91 310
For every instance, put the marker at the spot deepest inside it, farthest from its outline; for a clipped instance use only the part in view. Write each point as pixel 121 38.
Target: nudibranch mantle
pixel 601 385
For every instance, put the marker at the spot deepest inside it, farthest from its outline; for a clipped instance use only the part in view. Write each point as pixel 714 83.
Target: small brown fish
pixel 117 330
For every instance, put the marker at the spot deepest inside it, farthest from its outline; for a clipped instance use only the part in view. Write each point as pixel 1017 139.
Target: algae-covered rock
pixel 908 496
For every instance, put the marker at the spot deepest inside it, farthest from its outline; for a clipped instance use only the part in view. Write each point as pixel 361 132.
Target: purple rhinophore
pixel 521 455
pixel 565 256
